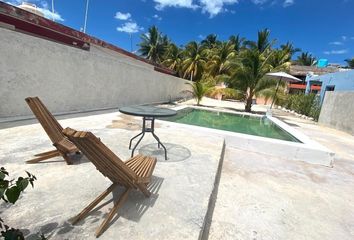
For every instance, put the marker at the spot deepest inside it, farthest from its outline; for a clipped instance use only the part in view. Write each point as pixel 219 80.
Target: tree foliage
pixel 239 62
pixel 153 45
pixel 195 58
pixel 199 90
pixel 306 59
pixel 10 191
pixel 308 105
pixel 249 74
pixel 350 62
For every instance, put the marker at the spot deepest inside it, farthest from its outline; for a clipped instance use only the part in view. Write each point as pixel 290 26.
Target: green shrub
pixel 10 191
pixel 308 105
pixel 316 109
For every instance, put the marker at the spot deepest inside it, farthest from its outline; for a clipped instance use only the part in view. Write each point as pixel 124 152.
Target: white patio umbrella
pixel 281 76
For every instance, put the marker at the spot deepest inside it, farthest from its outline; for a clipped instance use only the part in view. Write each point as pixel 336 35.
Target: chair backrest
pixel 102 157
pixel 46 119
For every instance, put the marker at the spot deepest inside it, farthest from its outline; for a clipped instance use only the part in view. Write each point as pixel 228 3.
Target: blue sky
pixel 322 27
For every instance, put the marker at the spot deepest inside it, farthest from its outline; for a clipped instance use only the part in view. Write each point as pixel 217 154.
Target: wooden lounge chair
pixel 54 131
pixel 132 174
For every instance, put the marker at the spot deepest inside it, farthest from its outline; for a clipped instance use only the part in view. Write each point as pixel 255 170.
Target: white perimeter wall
pixel 69 79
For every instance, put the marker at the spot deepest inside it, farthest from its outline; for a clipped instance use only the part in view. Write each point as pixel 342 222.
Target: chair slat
pixel 52 127
pixel 131 174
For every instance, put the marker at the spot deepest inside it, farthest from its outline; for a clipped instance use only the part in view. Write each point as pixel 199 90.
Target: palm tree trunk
pixel 248 105
pixel 198 101
pixel 249 97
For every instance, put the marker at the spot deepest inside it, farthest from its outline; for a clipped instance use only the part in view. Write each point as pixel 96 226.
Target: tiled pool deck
pixel 258 197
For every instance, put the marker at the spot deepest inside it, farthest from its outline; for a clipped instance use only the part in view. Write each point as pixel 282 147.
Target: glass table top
pixel 148 111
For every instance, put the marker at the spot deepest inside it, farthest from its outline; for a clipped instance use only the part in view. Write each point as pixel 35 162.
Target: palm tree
pixel 221 59
pixel 248 77
pixel 173 57
pixel 153 45
pixel 253 63
pixel 210 41
pixel 165 41
pixel 194 61
pixel 289 47
pixel 199 90
pixel 237 41
pixel 350 62
pixel 306 59
pixel 263 43
pixel 280 60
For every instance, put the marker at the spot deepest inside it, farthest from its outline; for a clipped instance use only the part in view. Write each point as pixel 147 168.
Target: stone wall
pixel 68 79
pixel 338 110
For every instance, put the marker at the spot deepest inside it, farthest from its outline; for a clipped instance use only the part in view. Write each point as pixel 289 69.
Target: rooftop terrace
pixel 214 185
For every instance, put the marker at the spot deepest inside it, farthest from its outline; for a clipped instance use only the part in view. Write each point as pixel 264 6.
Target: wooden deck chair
pixel 132 174
pixel 54 131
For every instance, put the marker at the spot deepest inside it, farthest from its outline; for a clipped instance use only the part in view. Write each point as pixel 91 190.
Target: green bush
pixel 10 191
pixel 316 108
pixel 308 105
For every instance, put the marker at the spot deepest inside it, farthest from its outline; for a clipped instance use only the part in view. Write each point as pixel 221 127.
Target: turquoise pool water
pixel 257 126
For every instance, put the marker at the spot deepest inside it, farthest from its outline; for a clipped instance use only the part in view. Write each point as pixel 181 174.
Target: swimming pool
pixel 257 126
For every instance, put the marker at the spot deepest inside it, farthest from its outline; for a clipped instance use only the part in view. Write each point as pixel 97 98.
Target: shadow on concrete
pixel 77 159
pixel 175 152
pixel 133 209
pixel 126 122
pixel 47 231
pixel 137 204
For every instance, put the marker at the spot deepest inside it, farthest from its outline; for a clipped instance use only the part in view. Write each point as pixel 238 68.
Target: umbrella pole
pixel 275 94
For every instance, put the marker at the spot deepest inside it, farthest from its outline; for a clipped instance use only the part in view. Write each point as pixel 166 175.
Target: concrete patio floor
pixel 263 197
pixel 257 196
pixel 181 186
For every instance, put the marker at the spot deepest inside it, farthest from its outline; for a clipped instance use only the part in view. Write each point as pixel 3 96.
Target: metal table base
pixel 145 129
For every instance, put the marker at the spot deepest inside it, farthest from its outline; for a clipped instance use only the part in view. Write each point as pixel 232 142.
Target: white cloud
pixel 42 6
pixel 336 43
pixel 259 2
pixel 157 17
pixel 161 4
pixel 230 11
pixel 344 38
pixel 288 3
pixel 129 27
pixel 336 52
pixel 215 7
pixel 122 16
pixel 50 15
pixel 212 7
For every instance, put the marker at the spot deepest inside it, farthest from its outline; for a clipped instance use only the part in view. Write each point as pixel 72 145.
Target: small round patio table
pixel 148 113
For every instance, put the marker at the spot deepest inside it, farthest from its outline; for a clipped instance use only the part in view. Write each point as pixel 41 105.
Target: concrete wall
pixel 69 79
pixel 343 81
pixel 338 111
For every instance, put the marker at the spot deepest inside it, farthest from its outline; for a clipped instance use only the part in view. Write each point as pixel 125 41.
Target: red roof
pixel 303 86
